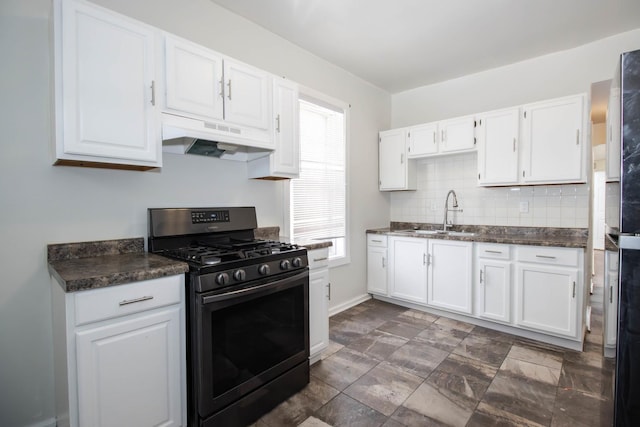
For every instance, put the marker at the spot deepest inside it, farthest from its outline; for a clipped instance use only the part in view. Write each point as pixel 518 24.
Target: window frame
pixel 316 97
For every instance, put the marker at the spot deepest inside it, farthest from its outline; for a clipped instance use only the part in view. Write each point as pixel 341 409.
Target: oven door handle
pixel 272 286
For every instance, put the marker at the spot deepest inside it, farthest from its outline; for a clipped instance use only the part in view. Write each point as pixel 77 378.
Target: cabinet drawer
pixel 485 250
pixel 377 240
pixel 318 258
pixel 121 300
pixel 553 256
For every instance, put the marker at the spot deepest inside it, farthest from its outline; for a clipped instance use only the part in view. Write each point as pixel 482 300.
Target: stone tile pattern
pixel 90 265
pixel 392 366
pixel 537 236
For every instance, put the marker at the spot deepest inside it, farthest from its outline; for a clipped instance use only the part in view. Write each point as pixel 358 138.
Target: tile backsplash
pixel 531 206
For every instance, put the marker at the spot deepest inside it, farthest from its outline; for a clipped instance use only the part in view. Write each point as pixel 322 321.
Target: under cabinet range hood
pixel 186 135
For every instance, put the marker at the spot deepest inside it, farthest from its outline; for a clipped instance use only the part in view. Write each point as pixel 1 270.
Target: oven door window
pixel 250 339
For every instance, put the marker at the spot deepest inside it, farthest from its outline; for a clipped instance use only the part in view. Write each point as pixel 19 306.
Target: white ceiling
pixel 402 44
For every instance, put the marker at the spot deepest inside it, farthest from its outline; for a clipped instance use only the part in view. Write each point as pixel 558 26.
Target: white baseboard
pixel 51 422
pixel 348 304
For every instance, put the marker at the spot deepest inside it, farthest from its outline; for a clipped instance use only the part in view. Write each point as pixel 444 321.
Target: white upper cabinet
pixel 284 161
pixel 444 137
pixel 553 142
pixel 498 134
pixel 396 172
pixel 208 85
pixel 457 134
pixel 105 79
pixel 423 140
pixel 247 95
pixel 193 79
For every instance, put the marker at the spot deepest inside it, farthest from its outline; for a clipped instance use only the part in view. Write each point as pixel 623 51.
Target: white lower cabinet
pixel 534 291
pixel 319 294
pixel 450 275
pixel 377 262
pixel 548 289
pixel 493 283
pixel 610 302
pixel 131 365
pixel 408 269
pixel 119 354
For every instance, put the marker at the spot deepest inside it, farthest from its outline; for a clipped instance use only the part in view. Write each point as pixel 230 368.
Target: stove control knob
pixel 285 265
pixel 222 279
pixel 239 275
pixel 297 262
pixel 264 269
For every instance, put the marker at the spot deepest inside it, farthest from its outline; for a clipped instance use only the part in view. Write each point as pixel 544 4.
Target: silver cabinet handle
pixel 153 92
pixel 329 291
pixel 383 266
pixel 545 256
pixel 229 91
pixel 221 88
pixel 278 123
pixel 401 158
pixel 429 259
pixel 574 289
pixel 320 259
pixel 135 300
pixel 480 276
pixel 377 241
pixel 434 137
pixel 493 252
pixel 610 294
pixel 577 136
pixel 424 259
pixel 514 145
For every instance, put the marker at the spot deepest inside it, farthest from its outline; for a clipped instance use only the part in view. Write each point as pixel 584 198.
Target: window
pixel 318 197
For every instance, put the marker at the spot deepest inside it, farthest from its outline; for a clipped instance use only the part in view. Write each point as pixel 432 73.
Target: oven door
pixel 247 337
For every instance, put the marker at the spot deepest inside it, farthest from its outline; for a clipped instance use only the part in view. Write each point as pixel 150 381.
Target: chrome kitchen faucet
pixel 445 223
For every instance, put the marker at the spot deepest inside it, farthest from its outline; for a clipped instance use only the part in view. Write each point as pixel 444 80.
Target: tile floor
pixel 391 366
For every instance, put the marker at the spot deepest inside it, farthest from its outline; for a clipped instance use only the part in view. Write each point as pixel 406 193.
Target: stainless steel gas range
pixel 247 312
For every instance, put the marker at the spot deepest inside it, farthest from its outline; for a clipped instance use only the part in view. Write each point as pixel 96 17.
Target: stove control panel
pixel 199 217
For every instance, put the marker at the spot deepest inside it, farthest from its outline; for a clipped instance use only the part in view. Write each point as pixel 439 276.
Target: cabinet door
pixel 377 270
pixel 129 371
pixel 318 311
pixel 494 288
pixel 457 134
pixel 393 164
pixel 193 79
pixel 553 141
pixel 106 88
pixel 547 299
pixel 286 157
pixel 408 268
pixel 247 95
pixel 450 275
pixel 497 134
pixel 610 298
pixel 423 140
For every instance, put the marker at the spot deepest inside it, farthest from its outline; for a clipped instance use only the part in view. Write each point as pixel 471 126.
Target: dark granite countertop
pixel 535 236
pixel 273 233
pixel 91 265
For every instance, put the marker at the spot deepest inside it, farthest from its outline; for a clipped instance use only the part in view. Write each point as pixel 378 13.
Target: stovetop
pixel 201 254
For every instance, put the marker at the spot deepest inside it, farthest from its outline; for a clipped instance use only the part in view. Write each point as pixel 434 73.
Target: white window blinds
pixel 318 197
